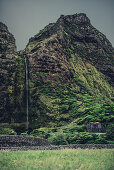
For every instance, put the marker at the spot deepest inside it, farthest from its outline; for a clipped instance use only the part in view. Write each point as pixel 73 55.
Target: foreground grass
pixel 67 159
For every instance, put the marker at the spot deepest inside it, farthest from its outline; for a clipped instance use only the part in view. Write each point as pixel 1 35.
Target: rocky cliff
pixel 70 74
pixel 12 76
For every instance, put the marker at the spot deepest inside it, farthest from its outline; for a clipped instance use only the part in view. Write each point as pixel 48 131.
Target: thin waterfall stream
pixel 26 82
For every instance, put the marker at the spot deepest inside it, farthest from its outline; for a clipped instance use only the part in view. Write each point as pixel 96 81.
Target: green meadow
pixel 67 159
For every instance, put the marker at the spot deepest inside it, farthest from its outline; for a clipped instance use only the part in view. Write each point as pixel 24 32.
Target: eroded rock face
pixel 76 18
pixel 49 57
pixel 10 69
pixel 52 49
pixel 91 45
pixel 7 40
pixel 7 49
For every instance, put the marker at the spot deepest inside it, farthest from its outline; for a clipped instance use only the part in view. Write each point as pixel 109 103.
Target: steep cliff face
pixel 74 35
pixel 7 40
pixel 70 63
pixel 11 77
pixel 70 75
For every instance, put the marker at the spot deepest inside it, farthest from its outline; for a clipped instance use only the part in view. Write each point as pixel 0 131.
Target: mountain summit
pixel 70 77
pixel 77 36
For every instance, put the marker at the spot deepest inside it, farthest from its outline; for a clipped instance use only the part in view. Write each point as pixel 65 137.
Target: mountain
pixel 70 66
pixel 71 71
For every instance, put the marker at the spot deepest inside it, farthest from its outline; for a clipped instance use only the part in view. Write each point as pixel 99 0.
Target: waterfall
pixel 26 82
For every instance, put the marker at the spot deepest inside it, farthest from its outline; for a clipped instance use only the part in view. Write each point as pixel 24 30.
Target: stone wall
pixel 21 141
pixel 60 147
pixel 15 143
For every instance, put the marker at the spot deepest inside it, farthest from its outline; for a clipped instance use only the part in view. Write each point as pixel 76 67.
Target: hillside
pixel 71 69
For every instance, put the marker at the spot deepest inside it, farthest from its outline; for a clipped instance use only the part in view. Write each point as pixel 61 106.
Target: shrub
pixel 80 138
pixel 24 134
pixel 101 140
pixel 80 121
pixel 90 141
pixel 58 139
pixel 71 139
pixel 7 131
pixel 110 132
pixel 43 132
pixel 72 129
pixel 84 137
pixel 81 128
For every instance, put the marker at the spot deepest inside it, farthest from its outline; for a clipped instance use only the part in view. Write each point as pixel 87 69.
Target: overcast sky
pixel 25 18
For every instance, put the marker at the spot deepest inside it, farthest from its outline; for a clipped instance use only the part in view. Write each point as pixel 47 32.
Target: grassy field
pixel 67 159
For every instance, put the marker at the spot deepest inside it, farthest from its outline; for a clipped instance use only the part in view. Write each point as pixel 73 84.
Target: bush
pixel 71 139
pixel 72 129
pixel 90 141
pixel 84 137
pixel 110 132
pixel 80 121
pixel 24 134
pixel 43 132
pixel 101 140
pixel 58 139
pixel 80 138
pixel 81 128
pixel 7 131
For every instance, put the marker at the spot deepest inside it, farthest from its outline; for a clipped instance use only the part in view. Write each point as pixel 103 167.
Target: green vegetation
pixel 12 128
pixel 7 131
pixel 73 134
pixel 110 132
pixel 63 104
pixel 58 160
pixel 12 101
pixel 16 91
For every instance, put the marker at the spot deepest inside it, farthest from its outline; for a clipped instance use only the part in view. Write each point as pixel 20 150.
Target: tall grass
pixel 67 159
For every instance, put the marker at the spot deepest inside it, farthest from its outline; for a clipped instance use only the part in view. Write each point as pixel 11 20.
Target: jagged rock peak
pixel 7 40
pixel 80 18
pixel 3 27
pixel 53 28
